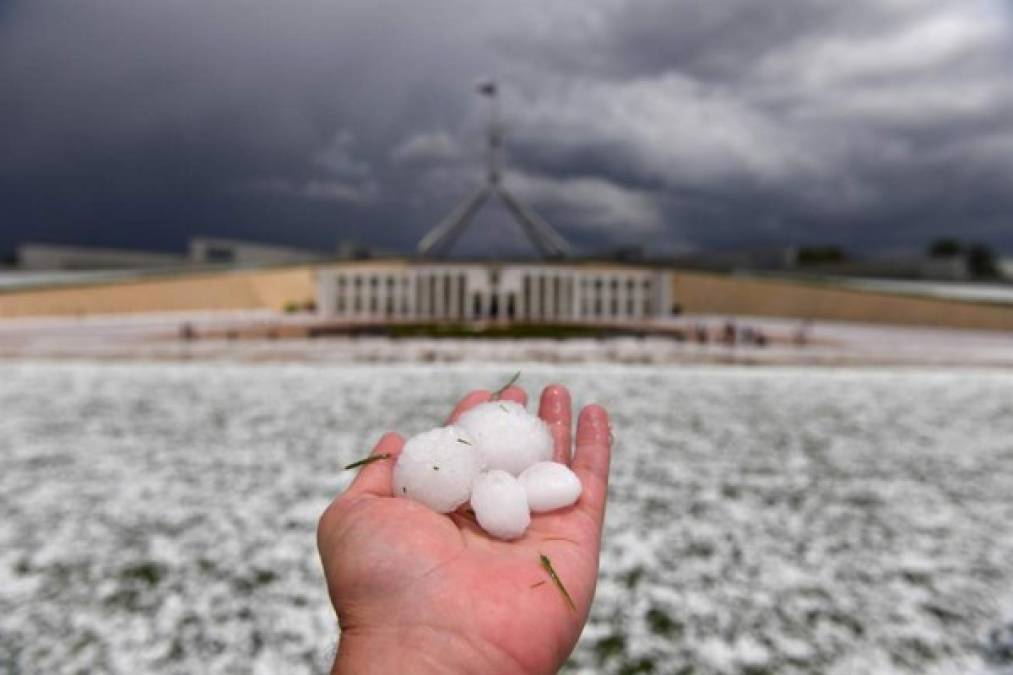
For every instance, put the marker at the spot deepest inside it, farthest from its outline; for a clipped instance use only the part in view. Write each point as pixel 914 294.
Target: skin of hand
pixel 420 592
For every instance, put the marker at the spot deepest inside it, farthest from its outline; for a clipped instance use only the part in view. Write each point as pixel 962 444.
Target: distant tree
pixel 628 253
pixel 981 262
pixel 945 247
pixel 819 255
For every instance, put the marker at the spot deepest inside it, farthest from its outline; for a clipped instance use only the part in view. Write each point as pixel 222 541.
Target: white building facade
pixel 457 292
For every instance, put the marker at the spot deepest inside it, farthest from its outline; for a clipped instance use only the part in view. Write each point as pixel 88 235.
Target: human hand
pixel 421 592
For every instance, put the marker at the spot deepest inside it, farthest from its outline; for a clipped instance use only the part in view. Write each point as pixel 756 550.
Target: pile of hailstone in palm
pixel 497 456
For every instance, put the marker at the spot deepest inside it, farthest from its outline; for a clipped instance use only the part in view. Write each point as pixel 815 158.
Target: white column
pixel 327 293
pixel 402 295
pixel 452 292
pixel 621 297
pixel 607 297
pixel 575 296
pixel 427 294
pixel 420 295
pixel 601 297
pixel 438 306
pixel 584 298
pixel 411 277
pixel 537 289
pixel 638 305
pixel 550 296
pixel 665 300
pixel 483 302
pixel 567 312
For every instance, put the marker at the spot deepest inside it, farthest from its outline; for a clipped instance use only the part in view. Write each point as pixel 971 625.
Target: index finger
pixel 375 477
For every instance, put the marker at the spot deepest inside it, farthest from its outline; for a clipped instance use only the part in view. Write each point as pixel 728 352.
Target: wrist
pixel 418 652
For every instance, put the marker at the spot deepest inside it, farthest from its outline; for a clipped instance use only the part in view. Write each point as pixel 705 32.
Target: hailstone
pixel 507 436
pixel 500 504
pixel 549 486
pixel 437 468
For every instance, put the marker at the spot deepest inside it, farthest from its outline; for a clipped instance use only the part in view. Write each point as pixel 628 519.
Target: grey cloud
pixel 874 123
pixel 427 146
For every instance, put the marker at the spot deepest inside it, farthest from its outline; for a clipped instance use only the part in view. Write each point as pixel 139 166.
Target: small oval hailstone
pixel 549 486
pixel 507 436
pixel 501 505
pixel 437 468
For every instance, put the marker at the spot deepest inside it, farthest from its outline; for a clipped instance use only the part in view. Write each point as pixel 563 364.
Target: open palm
pixel 416 591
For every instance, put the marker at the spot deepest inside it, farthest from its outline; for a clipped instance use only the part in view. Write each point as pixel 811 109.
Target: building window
pixel 557 296
pixel 526 295
pixel 219 254
pixel 448 298
pixel 614 297
pixel 648 305
pixel 461 295
pixel 433 296
pixel 598 287
pixel 339 301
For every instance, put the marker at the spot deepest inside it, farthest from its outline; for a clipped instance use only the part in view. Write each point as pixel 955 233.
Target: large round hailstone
pixel 437 468
pixel 507 436
pixel 549 486
pixel 501 505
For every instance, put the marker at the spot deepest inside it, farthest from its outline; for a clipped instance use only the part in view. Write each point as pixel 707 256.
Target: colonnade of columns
pixel 508 293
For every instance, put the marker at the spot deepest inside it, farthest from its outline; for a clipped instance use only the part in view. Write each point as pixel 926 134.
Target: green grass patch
pixel 506 332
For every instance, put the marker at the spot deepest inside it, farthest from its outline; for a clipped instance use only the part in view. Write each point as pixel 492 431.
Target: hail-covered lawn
pixel 161 517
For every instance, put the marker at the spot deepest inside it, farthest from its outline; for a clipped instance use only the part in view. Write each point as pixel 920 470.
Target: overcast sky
pixel 672 124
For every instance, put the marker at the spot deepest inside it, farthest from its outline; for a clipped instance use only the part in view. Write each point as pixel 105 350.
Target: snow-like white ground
pixel 156 336
pixel 160 517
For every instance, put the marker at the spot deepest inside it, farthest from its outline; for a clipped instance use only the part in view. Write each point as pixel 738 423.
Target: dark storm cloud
pixel 674 123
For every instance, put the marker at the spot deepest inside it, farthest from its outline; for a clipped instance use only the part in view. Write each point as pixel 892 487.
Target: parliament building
pixel 418 291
